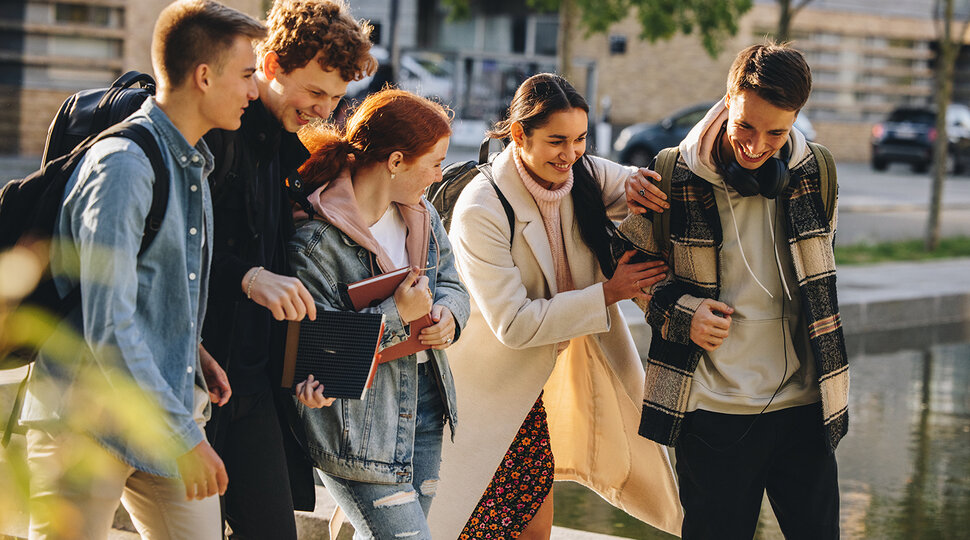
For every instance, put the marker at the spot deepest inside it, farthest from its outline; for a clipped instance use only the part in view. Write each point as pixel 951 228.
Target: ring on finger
pixel 642 192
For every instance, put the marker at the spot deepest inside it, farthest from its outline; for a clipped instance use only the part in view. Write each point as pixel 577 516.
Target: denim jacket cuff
pixel 188 435
pixel 395 330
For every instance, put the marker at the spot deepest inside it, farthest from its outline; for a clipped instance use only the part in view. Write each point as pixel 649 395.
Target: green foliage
pixel 714 20
pixel 907 250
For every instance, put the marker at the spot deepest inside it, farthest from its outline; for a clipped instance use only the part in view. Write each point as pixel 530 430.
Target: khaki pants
pixel 64 508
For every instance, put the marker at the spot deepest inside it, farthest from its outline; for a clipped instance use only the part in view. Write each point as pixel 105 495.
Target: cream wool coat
pixel 506 356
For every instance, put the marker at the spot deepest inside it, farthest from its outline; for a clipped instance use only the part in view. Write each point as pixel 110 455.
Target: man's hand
pixel 286 297
pixel 202 472
pixel 215 378
pixel 642 193
pixel 310 393
pixel 711 324
pixel 440 334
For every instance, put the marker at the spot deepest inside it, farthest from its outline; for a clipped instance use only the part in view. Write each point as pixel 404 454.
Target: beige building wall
pixel 140 21
pixel 653 80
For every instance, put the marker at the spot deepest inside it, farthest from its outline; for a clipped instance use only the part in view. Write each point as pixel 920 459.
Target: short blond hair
pixel 193 32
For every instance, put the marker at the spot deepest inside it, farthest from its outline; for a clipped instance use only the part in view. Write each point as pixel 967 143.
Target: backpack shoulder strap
pixel 160 187
pixel 666 161
pixel 828 178
pixel 486 169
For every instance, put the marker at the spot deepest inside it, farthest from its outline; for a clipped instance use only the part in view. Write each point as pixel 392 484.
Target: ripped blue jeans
pixel 387 511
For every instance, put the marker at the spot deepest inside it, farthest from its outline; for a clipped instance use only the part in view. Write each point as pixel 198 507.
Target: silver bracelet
pixel 249 288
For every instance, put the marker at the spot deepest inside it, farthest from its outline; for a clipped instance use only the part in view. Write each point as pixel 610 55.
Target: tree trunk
pixel 946 58
pixel 567 31
pixel 783 35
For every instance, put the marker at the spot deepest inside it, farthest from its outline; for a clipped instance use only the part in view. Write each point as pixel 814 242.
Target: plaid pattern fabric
pixel 696 238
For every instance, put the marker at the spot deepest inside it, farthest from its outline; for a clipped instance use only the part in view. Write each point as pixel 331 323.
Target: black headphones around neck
pixel 769 180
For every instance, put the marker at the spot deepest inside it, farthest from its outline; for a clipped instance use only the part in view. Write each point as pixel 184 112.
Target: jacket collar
pixel 336 202
pixel 525 209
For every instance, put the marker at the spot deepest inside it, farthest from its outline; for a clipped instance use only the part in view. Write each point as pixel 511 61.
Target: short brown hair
pixel 777 73
pixel 193 32
pixel 300 29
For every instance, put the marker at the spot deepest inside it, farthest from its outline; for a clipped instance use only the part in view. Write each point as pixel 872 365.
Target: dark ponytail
pixel 534 102
pixel 595 227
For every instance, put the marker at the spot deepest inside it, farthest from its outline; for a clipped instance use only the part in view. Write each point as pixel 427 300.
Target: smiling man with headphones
pixel 747 375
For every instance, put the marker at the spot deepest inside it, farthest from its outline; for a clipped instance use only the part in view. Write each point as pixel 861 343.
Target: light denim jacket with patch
pixel 372 440
pixel 142 316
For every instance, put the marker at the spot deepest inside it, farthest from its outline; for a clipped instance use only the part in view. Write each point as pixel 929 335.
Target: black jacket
pixel 252 222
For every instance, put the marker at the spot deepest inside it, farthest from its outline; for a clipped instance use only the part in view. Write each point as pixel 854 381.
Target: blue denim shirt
pixel 372 440
pixel 142 316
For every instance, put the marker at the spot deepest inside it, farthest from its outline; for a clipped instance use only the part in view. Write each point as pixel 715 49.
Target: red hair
pixel 386 122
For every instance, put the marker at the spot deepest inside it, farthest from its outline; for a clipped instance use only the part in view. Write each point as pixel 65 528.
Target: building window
pixel 617 44
pixel 83 14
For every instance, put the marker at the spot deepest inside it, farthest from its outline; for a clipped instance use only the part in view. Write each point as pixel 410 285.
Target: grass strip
pixel 906 250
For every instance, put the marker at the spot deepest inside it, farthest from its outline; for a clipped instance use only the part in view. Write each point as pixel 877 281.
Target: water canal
pixel 904 467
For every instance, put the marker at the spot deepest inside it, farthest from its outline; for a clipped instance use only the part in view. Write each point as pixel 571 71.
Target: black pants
pixel 723 479
pixel 246 434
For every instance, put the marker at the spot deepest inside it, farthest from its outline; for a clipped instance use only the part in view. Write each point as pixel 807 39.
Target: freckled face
pixel 756 129
pixel 549 152
pixel 413 178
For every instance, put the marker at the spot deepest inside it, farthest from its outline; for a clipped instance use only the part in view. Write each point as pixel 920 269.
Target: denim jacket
pixel 372 440
pixel 142 316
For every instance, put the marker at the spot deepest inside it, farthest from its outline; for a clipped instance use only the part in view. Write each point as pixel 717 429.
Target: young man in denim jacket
pixel 142 315
pixel 301 76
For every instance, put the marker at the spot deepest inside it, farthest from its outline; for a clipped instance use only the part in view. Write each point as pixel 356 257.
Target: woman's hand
pixel 413 297
pixel 631 279
pixel 642 193
pixel 310 393
pixel 441 334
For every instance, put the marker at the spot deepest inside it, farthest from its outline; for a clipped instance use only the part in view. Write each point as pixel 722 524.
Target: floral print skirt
pixel 520 485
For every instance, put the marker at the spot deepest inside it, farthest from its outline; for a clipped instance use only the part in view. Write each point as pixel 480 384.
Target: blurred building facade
pixel 50 49
pixel 867 56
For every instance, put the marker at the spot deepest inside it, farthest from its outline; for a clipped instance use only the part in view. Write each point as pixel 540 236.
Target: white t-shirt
pixel 391 233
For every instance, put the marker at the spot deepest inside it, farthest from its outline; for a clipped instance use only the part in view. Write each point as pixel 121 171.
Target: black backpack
pixel 29 207
pixel 443 195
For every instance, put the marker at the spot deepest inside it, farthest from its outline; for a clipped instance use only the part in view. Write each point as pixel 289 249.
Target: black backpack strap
pixel 160 191
pixel 160 187
pixel 486 169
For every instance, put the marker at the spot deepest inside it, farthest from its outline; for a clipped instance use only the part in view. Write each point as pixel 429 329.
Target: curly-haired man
pixel 313 49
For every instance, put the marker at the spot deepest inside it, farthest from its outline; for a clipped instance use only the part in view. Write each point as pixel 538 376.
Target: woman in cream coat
pixel 545 324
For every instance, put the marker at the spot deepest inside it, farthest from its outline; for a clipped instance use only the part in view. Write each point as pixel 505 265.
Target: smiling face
pixel 298 96
pixel 412 179
pixel 549 152
pixel 231 86
pixel 756 129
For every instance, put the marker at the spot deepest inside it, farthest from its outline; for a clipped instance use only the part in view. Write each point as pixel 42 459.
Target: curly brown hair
pixel 300 29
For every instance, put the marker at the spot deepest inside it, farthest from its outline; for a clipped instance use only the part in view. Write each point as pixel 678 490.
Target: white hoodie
pixel 766 362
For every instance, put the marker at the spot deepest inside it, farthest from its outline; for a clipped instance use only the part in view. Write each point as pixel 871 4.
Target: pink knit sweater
pixel 548 201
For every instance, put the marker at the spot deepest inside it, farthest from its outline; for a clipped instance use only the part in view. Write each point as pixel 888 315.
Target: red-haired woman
pixel 380 455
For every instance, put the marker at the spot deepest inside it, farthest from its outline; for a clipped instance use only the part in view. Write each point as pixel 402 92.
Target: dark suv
pixel 637 144
pixel 907 136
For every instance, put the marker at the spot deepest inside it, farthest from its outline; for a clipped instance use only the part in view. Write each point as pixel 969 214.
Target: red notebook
pixel 372 291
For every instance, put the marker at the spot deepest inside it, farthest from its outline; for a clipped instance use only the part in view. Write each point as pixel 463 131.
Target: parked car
pixel 637 144
pixel 908 133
